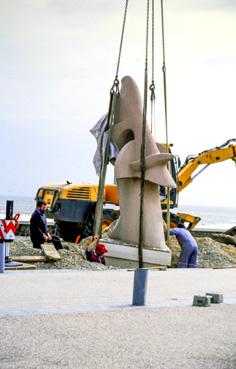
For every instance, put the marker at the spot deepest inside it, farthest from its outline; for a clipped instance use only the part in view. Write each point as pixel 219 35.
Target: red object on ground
pixel 77 239
pixel 101 248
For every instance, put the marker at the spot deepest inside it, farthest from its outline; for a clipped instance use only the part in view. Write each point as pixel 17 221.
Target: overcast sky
pixel 57 64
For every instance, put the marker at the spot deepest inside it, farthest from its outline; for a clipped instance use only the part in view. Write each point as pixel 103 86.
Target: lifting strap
pixel 121 39
pixel 152 85
pixel 114 94
pixel 104 163
pixel 143 147
pixel 166 116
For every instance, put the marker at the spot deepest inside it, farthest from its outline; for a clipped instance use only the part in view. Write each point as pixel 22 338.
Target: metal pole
pixel 140 287
pixel 9 209
pixel 9 216
pixel 2 257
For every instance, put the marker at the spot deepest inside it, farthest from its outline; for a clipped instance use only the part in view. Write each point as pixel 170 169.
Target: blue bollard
pixel 140 287
pixel 2 257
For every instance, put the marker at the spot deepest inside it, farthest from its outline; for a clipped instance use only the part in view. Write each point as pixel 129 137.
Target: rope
pixel 153 111
pixel 152 86
pixel 147 34
pixel 166 115
pixel 114 93
pixel 153 40
pixel 143 145
pixel 105 161
pixel 164 73
pixel 121 39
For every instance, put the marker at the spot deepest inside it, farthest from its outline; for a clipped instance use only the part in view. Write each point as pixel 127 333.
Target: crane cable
pixel 121 40
pixel 166 115
pixel 114 94
pixel 152 85
pixel 143 147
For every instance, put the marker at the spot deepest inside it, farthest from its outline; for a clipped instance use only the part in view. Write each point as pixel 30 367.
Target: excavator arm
pixel 220 153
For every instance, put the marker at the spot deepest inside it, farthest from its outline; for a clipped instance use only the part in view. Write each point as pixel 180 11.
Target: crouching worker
pixel 189 248
pixel 95 253
pixel 39 229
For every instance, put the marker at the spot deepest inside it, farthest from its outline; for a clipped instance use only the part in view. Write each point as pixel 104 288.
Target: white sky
pixel 58 62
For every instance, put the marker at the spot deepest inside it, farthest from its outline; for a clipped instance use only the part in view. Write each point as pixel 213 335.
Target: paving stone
pixel 216 298
pixel 204 301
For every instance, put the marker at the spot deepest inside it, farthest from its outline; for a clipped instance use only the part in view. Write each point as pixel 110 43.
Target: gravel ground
pixel 211 254
pixel 72 256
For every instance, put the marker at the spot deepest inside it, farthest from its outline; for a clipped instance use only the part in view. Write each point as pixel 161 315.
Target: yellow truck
pixel 72 205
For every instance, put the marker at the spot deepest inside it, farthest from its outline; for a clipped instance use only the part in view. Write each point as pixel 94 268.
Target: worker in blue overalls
pixel 189 247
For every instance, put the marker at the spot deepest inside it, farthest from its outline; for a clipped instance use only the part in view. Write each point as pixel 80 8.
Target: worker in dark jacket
pixel 189 248
pixel 95 252
pixel 39 229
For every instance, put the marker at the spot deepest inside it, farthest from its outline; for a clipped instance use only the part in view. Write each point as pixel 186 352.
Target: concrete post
pixel 2 257
pixel 140 287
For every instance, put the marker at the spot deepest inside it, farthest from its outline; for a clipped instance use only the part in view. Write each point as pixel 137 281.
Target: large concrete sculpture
pixel 127 134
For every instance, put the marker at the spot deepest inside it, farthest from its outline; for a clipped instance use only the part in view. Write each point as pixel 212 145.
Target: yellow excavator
pixel 187 172
pixel 72 205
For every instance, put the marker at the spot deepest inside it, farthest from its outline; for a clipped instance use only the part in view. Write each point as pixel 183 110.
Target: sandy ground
pixel 165 338
pixel 83 319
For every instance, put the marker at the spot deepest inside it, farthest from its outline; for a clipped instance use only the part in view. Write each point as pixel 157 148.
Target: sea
pixel 213 217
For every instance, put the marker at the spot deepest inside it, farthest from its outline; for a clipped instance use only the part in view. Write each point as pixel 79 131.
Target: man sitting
pixel 39 229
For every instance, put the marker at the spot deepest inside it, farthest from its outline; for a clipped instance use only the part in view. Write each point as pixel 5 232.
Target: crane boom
pixel 221 153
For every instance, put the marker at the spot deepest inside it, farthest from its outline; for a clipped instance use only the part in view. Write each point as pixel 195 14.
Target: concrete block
pixel 216 298
pixel 121 253
pixel 203 301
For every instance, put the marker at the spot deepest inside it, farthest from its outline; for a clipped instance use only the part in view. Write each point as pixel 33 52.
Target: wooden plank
pixel 30 259
pixel 159 268
pixel 22 267
pixel 50 251
pixel 224 266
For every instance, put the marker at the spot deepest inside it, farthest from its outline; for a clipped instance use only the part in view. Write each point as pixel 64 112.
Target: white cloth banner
pixel 100 132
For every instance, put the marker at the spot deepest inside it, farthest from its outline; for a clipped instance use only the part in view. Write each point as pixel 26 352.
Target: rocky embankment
pixel 72 256
pixel 212 253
